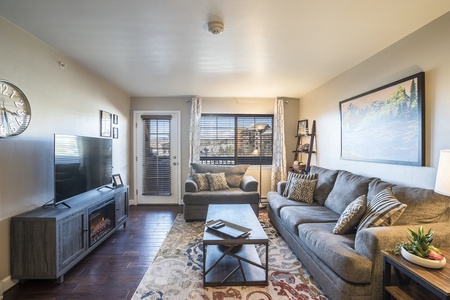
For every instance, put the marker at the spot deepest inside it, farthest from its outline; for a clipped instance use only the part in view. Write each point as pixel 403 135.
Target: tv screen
pixel 81 164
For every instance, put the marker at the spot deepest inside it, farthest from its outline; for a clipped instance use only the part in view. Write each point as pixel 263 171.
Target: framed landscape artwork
pixel 386 125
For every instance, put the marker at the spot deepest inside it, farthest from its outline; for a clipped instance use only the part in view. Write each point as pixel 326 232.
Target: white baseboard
pixel 132 202
pixel 6 284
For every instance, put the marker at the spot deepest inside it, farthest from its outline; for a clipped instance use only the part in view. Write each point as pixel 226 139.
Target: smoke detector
pixel 215 27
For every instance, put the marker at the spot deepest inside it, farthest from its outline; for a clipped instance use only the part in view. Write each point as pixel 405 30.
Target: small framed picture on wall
pixel 105 124
pixel 115 132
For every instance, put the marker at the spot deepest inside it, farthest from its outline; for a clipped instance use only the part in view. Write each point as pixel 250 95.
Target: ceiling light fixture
pixel 215 27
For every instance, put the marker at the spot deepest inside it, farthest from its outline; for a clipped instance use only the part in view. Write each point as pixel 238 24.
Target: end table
pixel 430 283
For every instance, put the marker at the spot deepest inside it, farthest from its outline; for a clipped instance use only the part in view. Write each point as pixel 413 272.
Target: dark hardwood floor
pixel 115 268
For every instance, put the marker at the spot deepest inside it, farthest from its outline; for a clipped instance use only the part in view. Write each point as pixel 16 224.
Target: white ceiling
pixel 269 48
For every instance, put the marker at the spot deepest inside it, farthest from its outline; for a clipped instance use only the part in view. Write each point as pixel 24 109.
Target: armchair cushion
pixel 233 173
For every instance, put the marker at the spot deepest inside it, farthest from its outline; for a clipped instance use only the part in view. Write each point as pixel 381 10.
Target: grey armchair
pixel 241 189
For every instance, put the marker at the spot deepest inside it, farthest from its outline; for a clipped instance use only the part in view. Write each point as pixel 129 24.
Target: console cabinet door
pixel 121 206
pixel 33 248
pixel 72 236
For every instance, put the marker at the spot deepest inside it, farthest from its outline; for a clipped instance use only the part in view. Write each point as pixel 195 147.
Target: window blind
pixel 233 139
pixel 156 154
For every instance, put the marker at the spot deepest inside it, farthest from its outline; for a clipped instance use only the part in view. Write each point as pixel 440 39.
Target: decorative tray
pixel 228 228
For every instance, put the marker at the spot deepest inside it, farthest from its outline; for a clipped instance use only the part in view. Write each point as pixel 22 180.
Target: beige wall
pixel 221 105
pixel 63 101
pixel 424 50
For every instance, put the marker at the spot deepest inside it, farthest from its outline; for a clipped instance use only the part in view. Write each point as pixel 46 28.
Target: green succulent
pixel 419 243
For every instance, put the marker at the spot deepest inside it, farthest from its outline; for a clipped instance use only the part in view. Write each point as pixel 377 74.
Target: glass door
pixel 157 165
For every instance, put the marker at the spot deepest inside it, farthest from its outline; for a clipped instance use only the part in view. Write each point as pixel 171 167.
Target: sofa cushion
pixel 292 216
pixel 348 187
pixel 325 183
pixel 336 251
pixel 202 181
pixel 217 181
pixel 233 173
pixel 383 210
pixel 351 216
pixel 424 205
pixel 302 190
pixel 277 202
pixel 293 177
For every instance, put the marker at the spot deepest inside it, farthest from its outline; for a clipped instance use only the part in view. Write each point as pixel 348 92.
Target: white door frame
pixel 176 186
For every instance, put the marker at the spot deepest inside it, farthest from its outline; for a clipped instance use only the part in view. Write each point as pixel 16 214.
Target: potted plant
pixel 419 249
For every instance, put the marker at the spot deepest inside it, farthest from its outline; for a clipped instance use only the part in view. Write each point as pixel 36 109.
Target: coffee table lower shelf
pixel 233 267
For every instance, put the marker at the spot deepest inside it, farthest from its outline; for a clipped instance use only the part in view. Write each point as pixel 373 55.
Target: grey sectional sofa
pixel 349 266
pixel 241 189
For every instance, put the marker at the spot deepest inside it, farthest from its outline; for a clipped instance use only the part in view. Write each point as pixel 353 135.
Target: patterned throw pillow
pixel 351 216
pixel 217 181
pixel 302 190
pixel 383 210
pixel 292 175
pixel 202 181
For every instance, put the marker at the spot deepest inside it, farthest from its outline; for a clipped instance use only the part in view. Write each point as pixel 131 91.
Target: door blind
pixel 156 155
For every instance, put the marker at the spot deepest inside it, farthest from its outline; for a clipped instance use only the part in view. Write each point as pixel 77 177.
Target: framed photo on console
pixel 117 180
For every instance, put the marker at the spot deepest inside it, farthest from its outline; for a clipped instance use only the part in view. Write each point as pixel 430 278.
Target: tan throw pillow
pixel 383 210
pixel 351 216
pixel 217 181
pixel 302 190
pixel 202 181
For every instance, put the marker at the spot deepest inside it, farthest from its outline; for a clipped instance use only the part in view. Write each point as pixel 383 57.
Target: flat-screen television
pixel 81 164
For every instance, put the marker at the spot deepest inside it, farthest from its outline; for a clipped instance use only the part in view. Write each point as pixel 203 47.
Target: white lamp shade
pixel 442 185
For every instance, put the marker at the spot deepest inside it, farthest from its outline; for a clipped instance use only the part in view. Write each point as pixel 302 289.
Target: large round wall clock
pixel 15 110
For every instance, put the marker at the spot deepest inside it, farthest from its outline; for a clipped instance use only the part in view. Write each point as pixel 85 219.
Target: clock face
pixel 15 110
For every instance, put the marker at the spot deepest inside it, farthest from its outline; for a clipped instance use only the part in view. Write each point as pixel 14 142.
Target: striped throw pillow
pixel 383 210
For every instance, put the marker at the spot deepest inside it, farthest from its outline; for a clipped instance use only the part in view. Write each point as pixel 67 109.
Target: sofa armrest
pixel 190 185
pixel 281 186
pixel 370 241
pixel 249 184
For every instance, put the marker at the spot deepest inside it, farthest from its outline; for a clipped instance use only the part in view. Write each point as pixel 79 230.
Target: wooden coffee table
pixel 234 261
pixel 431 283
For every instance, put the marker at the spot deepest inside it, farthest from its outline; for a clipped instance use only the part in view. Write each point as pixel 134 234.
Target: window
pixel 234 139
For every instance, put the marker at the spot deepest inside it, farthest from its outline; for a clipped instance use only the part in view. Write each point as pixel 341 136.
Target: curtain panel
pixel 194 131
pixel 279 146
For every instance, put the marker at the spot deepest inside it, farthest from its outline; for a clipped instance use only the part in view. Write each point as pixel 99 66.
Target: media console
pixel 48 241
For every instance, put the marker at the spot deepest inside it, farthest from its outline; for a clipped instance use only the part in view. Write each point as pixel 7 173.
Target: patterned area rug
pixel 176 272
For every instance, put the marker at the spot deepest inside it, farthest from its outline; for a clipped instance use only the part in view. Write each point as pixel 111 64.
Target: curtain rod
pixel 237 100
